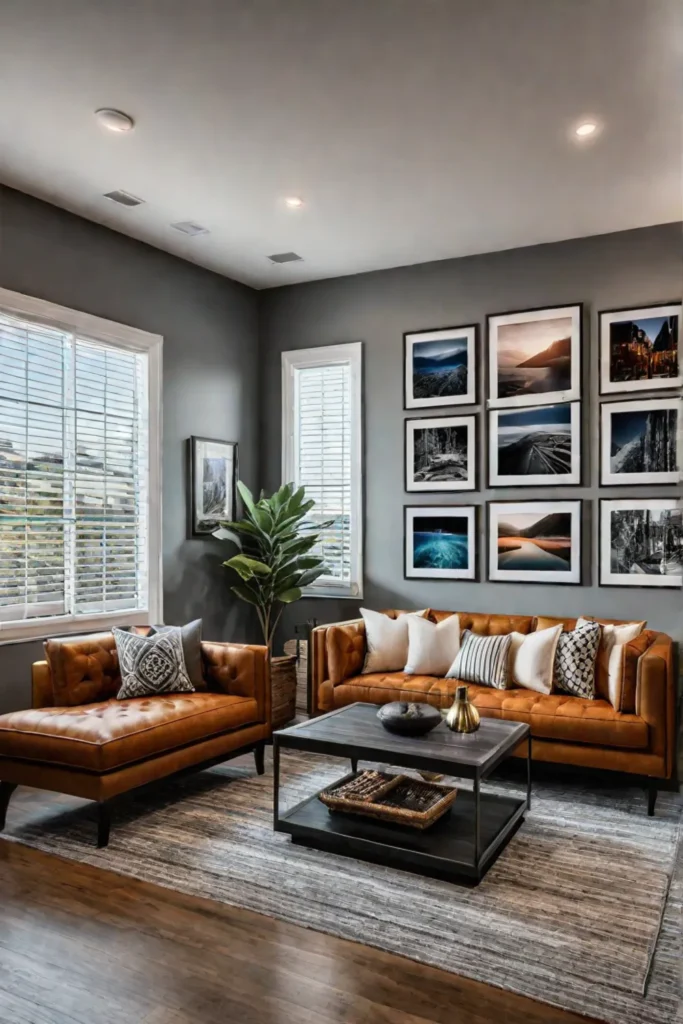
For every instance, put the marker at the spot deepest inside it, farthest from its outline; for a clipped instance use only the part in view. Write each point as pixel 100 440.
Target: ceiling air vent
pixel 123 198
pixel 284 257
pixel 190 227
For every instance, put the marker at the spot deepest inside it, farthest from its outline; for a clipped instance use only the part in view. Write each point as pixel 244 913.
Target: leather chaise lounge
pixel 97 747
pixel 639 738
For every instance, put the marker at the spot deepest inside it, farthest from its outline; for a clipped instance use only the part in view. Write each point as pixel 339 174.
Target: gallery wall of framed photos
pixel 533 414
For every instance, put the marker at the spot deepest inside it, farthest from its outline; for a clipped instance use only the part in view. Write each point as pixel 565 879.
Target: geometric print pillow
pixel 151 665
pixel 575 660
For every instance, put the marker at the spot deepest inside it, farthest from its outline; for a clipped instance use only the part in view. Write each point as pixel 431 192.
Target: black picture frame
pixel 583 519
pixel 473 453
pixel 198 527
pixel 645 386
pixel 473 350
pixel 674 506
pixel 445 509
pixel 648 477
pixel 549 480
pixel 537 399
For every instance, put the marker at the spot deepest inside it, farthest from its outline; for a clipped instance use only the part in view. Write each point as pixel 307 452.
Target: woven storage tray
pixel 397 799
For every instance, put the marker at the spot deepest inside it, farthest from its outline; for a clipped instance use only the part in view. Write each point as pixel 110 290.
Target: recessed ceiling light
pixel 294 202
pixel 115 120
pixel 586 128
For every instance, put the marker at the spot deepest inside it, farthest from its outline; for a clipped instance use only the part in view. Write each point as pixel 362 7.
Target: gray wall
pixel 618 270
pixel 210 382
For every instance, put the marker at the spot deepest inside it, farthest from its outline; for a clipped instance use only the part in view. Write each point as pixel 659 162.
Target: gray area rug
pixel 582 910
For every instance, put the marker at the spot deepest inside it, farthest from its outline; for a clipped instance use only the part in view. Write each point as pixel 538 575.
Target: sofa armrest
pixel 656 698
pixel 41 686
pixel 242 670
pixel 320 670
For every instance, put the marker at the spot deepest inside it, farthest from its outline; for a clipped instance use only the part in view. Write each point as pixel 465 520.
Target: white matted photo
pixel 535 541
pixel 640 349
pixel 536 446
pixel 639 442
pixel 440 542
pixel 641 542
pixel 535 356
pixel 441 454
pixel 440 367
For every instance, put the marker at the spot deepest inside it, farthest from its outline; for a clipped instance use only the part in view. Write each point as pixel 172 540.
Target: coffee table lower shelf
pixel 447 850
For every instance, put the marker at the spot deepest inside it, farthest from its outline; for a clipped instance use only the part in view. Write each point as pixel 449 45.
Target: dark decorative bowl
pixel 409 719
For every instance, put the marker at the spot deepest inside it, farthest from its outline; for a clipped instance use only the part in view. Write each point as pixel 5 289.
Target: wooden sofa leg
pixel 259 755
pixel 103 824
pixel 651 797
pixel 6 790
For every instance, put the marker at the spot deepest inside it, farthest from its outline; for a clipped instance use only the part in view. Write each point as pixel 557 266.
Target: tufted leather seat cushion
pixel 555 716
pixel 106 735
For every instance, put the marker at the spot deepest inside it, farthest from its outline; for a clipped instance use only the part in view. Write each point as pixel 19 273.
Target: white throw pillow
pixel 386 640
pixel 613 637
pixel 432 646
pixel 532 657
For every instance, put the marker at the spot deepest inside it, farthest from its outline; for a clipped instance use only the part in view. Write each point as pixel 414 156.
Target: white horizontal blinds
pixel 73 472
pixel 322 435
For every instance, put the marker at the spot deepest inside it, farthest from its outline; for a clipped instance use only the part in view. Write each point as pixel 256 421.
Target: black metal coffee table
pixel 462 844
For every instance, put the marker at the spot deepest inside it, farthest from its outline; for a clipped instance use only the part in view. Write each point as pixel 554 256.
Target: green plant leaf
pixel 248 567
pixel 309 576
pixel 244 594
pixel 289 596
pixel 246 496
pixel 223 534
pixel 299 546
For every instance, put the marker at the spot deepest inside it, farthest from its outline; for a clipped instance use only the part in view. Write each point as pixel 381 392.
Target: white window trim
pixel 132 339
pixel 350 353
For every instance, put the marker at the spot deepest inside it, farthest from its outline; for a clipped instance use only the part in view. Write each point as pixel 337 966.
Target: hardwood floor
pixel 79 945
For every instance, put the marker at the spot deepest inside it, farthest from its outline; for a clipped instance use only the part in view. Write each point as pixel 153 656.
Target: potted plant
pixel 274 563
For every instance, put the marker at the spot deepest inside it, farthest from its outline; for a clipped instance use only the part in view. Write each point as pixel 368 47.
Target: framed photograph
pixel 639 349
pixel 440 542
pixel 539 446
pixel 534 541
pixel 440 367
pixel 639 442
pixel 535 356
pixel 441 454
pixel 211 486
pixel 641 542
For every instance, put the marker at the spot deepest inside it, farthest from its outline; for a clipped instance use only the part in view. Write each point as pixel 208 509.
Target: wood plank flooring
pixel 79 945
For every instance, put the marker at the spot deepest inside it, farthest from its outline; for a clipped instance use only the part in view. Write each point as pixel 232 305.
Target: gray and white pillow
pixel 151 665
pixel 575 660
pixel 482 659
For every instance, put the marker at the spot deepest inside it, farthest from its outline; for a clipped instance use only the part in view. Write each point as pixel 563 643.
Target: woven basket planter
pixel 283 690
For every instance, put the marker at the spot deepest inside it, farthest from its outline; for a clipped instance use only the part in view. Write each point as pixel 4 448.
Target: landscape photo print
pixel 213 467
pixel 440 367
pixel 538 445
pixel 535 357
pixel 440 542
pixel 639 442
pixel 641 542
pixel 535 541
pixel 640 349
pixel 440 454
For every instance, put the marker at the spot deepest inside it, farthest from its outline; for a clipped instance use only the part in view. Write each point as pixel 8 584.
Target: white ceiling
pixel 415 130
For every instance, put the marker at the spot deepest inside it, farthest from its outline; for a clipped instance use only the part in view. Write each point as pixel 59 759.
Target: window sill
pixel 45 629
pixel 333 593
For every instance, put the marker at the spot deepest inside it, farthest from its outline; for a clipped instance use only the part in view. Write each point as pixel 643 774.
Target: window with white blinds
pixel 78 531
pixel 322 448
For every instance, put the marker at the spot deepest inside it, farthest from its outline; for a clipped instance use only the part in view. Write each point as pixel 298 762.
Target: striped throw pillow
pixel 482 659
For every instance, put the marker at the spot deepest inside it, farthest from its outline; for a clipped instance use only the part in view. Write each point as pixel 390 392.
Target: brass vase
pixel 462 715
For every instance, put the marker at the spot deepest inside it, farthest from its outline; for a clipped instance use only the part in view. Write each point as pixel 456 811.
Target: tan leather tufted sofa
pixel 72 742
pixel 639 738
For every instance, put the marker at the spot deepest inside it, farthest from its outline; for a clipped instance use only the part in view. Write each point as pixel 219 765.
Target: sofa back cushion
pixel 345 651
pixel 487 625
pixel 84 669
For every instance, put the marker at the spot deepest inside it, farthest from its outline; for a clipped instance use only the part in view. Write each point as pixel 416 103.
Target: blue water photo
pixel 440 542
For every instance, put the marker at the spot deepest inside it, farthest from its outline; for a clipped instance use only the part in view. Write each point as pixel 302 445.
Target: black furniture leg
pixel 354 764
pixel 103 824
pixel 259 752
pixel 276 783
pixel 6 790
pixel 651 797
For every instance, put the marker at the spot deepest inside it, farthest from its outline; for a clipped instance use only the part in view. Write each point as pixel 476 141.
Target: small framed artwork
pixel 539 446
pixel 639 348
pixel 534 541
pixel 641 542
pixel 639 442
pixel 440 542
pixel 440 454
pixel 440 367
pixel 211 487
pixel 535 356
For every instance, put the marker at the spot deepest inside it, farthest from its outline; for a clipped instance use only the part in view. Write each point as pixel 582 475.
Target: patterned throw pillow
pixel 151 665
pixel 575 660
pixel 482 659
